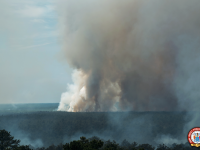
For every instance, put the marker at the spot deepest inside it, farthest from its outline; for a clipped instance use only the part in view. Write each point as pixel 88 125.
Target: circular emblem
pixel 194 137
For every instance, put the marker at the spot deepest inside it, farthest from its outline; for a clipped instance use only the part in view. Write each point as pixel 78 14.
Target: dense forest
pixel 7 142
pixel 47 128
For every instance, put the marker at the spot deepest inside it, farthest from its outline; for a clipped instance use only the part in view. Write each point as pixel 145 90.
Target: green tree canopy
pixel 7 141
pixel 83 144
pixel 23 147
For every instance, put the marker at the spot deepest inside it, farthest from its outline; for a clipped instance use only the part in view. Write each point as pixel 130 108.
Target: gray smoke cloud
pixel 131 55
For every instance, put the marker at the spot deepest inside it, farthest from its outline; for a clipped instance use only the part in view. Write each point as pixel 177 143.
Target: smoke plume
pixel 131 55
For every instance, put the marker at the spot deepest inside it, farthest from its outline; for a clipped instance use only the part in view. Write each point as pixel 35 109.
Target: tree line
pixel 7 142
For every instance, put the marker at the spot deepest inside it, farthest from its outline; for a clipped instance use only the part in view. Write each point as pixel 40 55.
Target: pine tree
pixel 7 141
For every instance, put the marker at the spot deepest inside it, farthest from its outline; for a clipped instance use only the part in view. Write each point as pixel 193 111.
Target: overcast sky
pixel 31 70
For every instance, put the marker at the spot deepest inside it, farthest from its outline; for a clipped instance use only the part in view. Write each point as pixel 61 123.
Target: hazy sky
pixel 30 64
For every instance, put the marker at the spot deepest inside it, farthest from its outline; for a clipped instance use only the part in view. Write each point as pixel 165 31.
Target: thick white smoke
pixel 131 55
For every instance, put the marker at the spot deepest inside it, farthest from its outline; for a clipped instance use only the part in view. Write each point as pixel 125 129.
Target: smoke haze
pixel 131 55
